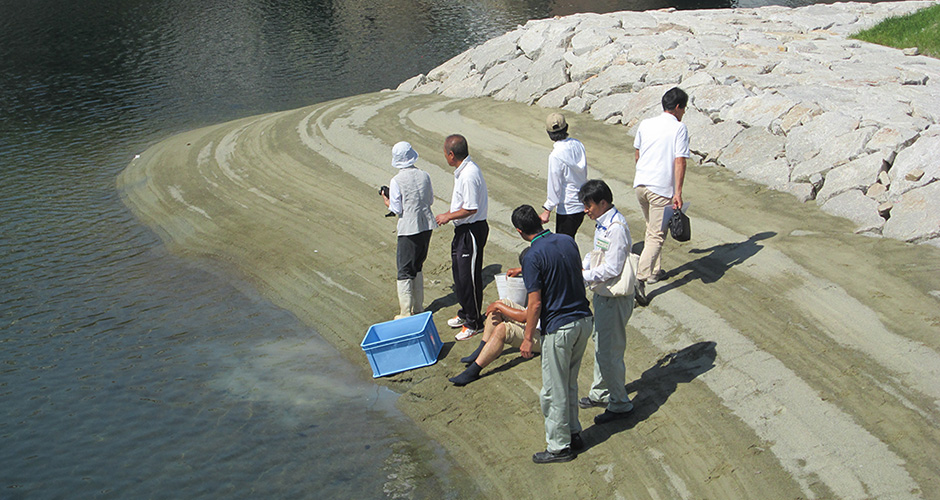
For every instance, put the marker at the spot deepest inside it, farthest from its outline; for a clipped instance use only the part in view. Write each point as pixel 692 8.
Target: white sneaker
pixel 455 322
pixel 465 333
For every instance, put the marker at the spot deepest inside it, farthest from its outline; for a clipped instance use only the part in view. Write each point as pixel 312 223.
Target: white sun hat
pixel 403 155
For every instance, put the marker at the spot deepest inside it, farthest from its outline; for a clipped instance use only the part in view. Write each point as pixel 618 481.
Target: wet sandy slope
pixel 784 358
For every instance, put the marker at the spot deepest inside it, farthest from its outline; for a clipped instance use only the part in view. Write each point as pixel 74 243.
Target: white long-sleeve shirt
pixel 567 172
pixel 611 235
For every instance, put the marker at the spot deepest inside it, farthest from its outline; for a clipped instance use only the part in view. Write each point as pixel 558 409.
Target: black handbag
pixel 679 226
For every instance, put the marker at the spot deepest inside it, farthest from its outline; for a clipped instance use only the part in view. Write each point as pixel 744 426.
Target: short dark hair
pixel 522 254
pixel 525 219
pixel 675 97
pixel 594 191
pixel 457 144
pixel 559 135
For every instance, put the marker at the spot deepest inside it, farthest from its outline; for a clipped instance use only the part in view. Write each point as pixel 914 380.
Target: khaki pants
pixel 561 360
pixel 654 207
pixel 610 341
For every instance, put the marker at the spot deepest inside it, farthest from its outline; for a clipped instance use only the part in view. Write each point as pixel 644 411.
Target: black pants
pixel 466 253
pixel 568 224
pixel 411 254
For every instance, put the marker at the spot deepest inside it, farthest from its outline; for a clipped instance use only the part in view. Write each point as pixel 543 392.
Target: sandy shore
pixel 785 358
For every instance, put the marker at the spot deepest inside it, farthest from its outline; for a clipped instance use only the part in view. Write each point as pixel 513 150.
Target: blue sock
pixel 469 375
pixel 473 355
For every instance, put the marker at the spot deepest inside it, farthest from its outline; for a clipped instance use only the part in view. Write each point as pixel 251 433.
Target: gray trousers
pixel 610 341
pixel 562 351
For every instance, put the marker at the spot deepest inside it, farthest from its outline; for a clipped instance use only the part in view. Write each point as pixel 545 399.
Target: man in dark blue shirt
pixel 551 270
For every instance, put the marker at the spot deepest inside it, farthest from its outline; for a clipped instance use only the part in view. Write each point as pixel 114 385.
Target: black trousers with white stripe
pixel 466 253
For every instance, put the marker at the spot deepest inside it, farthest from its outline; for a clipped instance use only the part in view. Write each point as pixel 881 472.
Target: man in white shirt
pixel 567 172
pixel 662 148
pixel 611 313
pixel 468 206
pixel 410 196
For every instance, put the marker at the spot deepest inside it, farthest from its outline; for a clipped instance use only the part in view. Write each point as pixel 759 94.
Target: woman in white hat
pixel 410 196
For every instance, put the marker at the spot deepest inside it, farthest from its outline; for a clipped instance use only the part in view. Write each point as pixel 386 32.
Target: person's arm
pixel 680 178
pixel 446 217
pixel 532 312
pixel 393 200
pixel 517 315
pixel 614 258
pixel 513 272
pixel 555 188
pixel 636 155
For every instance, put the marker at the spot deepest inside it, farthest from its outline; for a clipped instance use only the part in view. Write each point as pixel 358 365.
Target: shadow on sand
pixel 711 267
pixel 489 276
pixel 655 386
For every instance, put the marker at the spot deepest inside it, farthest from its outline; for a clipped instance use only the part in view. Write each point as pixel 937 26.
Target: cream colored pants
pixel 654 207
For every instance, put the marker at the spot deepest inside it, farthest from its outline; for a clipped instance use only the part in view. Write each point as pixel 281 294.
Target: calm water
pixel 126 372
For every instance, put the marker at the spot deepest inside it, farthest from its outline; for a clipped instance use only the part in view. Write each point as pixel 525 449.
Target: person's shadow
pixel 655 386
pixel 711 267
pixel 489 276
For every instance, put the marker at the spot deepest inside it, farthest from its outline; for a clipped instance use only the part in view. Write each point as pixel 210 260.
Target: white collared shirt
pixel 611 235
pixel 660 140
pixel 567 172
pixel 469 192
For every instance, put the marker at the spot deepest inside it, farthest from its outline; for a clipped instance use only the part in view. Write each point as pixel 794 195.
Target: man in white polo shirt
pixel 468 213
pixel 662 147
pixel 567 172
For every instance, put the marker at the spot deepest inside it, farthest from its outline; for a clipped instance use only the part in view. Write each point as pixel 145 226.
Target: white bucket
pixel 511 288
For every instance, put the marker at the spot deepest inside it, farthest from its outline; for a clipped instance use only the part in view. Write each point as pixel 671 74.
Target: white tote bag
pixel 620 285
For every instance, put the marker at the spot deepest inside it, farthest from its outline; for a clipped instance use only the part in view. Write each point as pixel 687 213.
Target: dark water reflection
pixel 126 372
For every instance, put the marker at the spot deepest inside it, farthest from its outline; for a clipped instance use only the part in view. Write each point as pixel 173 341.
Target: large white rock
pixel 858 208
pixel 756 147
pixel 412 83
pixel 807 140
pixel 670 72
pixel 924 154
pixel 709 140
pixel 610 105
pixel 632 21
pixel 711 99
pixel 580 104
pixel 560 96
pixel 916 216
pixel 837 151
pixel 587 65
pixel 506 74
pixel 857 174
pixel 547 73
pixel 892 139
pixel 495 51
pixel 759 110
pixel 590 39
pixel 616 79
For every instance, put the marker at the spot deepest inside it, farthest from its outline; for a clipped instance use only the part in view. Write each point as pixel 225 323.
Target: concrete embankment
pixel 779 96
pixel 785 357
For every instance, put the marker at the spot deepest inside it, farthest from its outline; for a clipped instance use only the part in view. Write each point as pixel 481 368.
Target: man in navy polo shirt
pixel 551 270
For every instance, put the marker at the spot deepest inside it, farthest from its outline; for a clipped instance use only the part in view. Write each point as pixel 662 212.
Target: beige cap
pixel 555 122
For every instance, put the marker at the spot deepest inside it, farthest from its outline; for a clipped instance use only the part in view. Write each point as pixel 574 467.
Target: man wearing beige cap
pixel 567 172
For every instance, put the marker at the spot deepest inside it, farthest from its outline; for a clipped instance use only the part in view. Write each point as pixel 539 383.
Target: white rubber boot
pixel 418 294
pixel 405 298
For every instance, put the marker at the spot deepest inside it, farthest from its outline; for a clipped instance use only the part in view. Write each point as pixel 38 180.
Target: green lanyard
pixel 543 233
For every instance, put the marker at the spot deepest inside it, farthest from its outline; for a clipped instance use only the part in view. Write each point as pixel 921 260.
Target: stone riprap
pixel 780 96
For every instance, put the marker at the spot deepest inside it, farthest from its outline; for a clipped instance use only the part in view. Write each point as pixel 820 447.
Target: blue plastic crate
pixel 402 344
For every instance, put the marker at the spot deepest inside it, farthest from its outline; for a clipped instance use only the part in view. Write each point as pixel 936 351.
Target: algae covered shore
pixel 786 357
